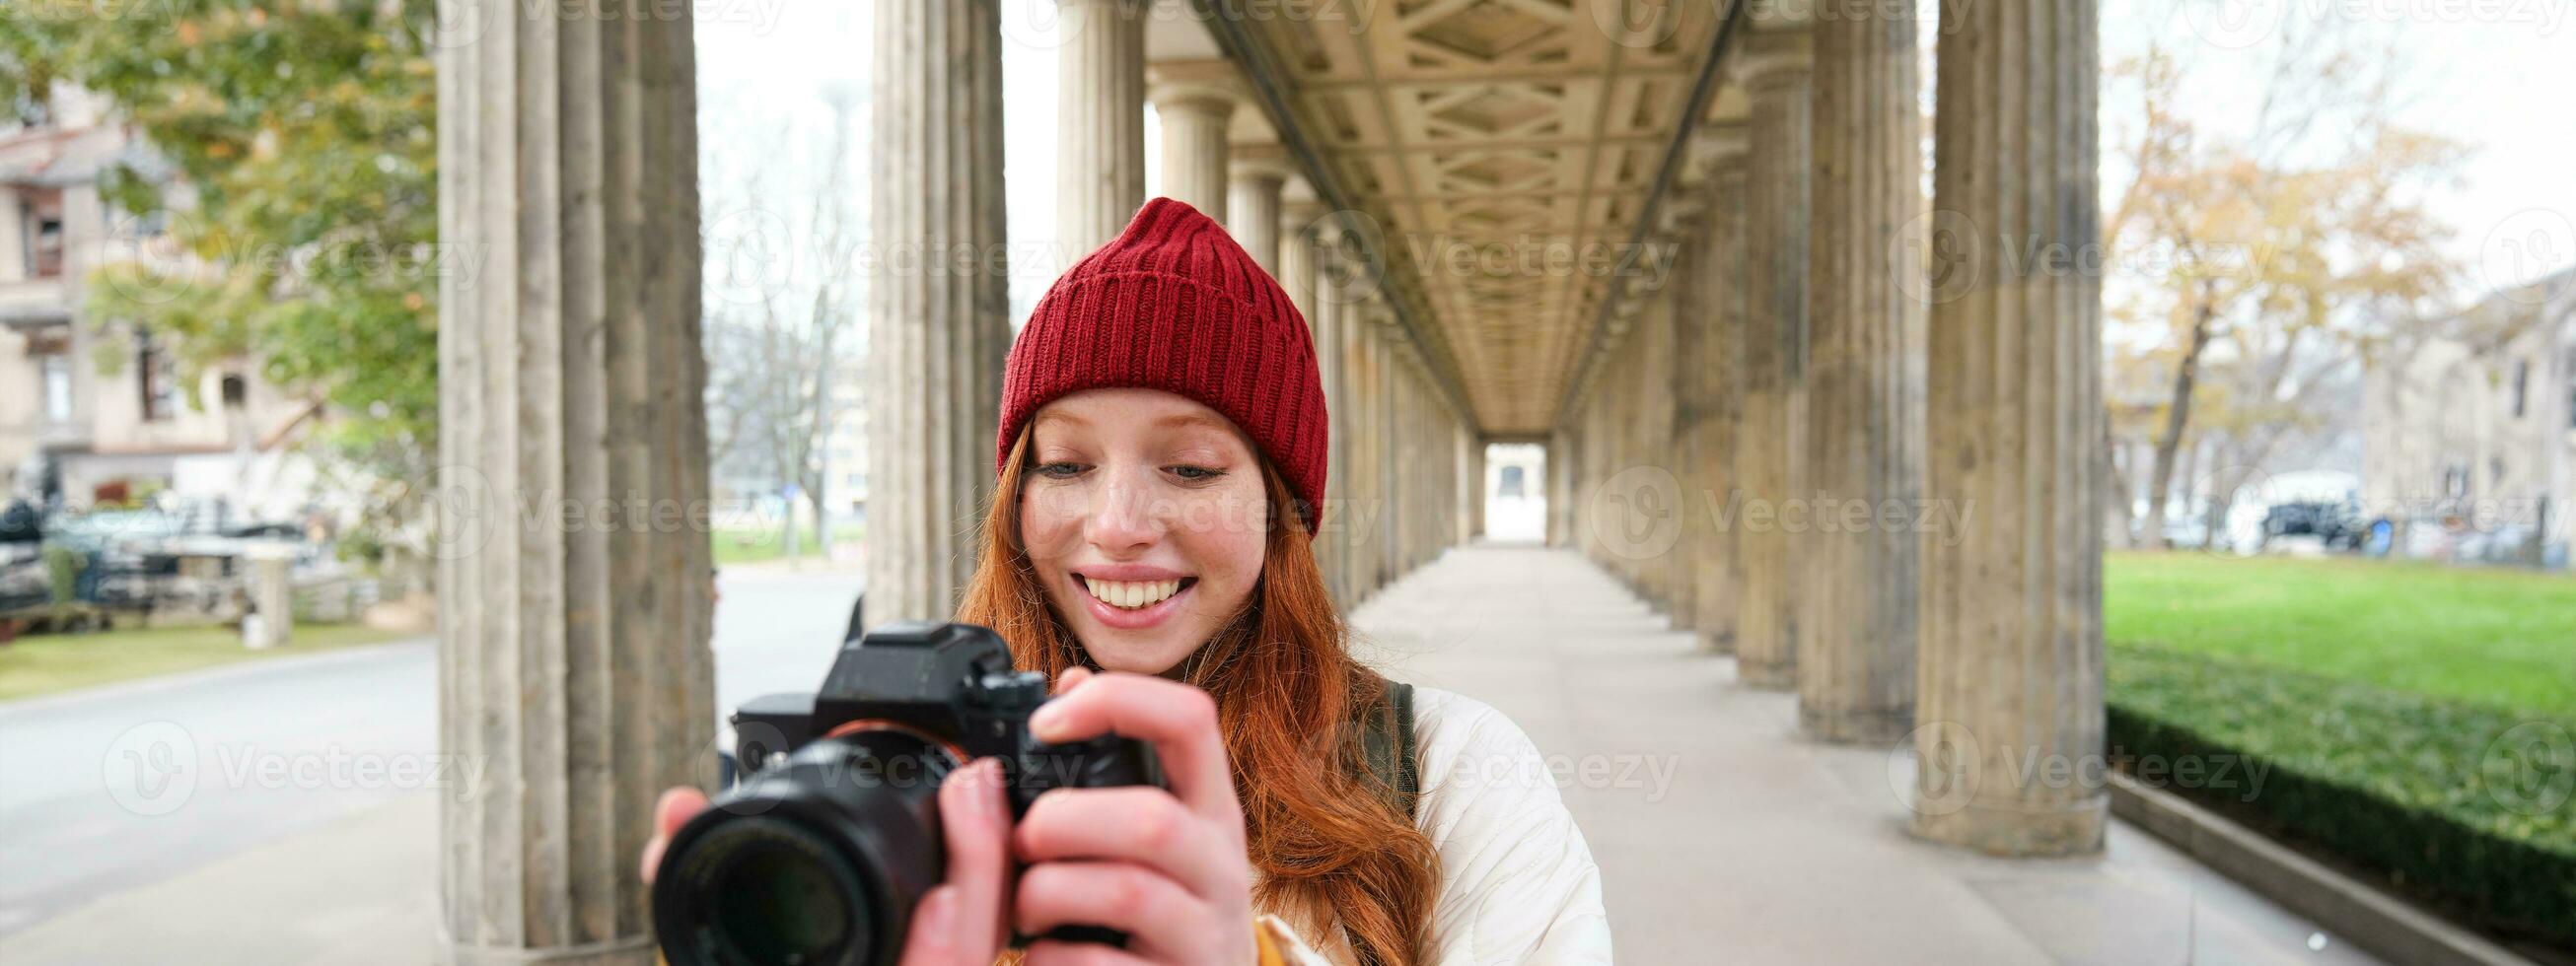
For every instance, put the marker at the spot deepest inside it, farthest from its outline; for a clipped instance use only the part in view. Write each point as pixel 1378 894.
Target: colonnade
pixel 1847 442
pixel 1808 364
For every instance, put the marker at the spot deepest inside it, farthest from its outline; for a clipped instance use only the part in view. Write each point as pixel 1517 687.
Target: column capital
pixel 1206 86
pixel 1261 167
pixel 1716 146
pixel 1771 58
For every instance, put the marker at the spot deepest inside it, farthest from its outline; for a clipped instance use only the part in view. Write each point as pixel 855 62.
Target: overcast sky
pixel 2498 75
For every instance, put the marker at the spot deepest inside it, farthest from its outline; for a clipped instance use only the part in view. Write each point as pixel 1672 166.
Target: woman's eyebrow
pixel 1054 415
pixel 1195 419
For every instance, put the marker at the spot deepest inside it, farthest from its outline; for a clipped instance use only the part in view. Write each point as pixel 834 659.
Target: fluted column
pixel 1328 321
pixel 937 337
pixel 1560 487
pixel 1252 207
pixel 2011 666
pixel 573 656
pixel 1194 112
pixel 1297 267
pixel 1718 354
pixel 1100 121
pixel 1775 334
pixel 1471 480
pixel 1864 434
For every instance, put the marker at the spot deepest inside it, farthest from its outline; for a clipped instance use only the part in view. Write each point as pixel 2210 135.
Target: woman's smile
pixel 1130 597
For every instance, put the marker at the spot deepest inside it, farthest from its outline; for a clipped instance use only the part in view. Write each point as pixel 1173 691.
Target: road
pixel 108 789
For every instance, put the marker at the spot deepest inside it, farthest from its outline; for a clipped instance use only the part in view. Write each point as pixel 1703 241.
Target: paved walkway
pixel 1722 838
pixel 1760 847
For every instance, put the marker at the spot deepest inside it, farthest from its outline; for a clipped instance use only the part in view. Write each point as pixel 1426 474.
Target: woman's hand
pixel 957 923
pixel 1166 868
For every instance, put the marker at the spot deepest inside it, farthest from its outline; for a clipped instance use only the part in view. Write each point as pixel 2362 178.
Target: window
pixel 158 382
pixel 57 380
pixel 2521 386
pixel 41 226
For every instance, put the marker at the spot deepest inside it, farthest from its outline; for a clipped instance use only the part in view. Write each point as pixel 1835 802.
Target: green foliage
pixel 2464 802
pixel 2502 637
pixel 305 133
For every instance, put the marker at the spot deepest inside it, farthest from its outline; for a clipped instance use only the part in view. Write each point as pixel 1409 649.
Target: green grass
pixel 754 546
pixel 2414 718
pixel 2500 637
pixel 47 663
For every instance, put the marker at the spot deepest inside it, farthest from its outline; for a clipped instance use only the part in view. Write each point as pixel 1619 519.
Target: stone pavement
pixel 1757 846
pixel 1722 837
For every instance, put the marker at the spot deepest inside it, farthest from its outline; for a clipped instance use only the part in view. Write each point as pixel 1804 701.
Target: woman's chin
pixel 1116 650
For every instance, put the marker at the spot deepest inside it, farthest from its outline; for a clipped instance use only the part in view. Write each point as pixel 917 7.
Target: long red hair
pixel 1330 850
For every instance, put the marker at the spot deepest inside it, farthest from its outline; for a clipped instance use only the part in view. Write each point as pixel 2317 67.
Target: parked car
pixel 2337 525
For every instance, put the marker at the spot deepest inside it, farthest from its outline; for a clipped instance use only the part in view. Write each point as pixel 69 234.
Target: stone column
pixel 1774 68
pixel 1297 268
pixel 937 338
pixel 1194 107
pixel 1560 487
pixel 2011 665
pixel 1100 122
pixel 1252 207
pixel 1714 439
pixel 1471 484
pixel 573 657
pixel 1864 433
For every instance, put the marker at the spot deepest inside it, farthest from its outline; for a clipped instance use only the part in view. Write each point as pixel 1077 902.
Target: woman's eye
pixel 1196 473
pixel 1060 471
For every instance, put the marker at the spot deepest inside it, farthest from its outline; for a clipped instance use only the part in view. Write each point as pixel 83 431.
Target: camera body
pixel 832 834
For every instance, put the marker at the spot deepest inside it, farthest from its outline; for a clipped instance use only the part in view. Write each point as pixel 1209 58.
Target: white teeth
pixel 1131 594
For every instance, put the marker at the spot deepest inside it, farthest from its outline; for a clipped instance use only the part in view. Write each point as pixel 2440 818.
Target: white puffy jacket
pixel 1517 883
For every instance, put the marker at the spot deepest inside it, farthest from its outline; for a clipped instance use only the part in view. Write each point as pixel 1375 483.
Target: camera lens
pixel 816 862
pixel 783 897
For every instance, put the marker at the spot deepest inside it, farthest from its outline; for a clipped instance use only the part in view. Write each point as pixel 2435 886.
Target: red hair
pixel 1330 850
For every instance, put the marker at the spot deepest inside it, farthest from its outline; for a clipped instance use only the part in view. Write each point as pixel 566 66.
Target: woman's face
pixel 1145 516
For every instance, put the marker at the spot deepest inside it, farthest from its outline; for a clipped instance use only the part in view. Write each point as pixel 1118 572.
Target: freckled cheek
pixel 1051 521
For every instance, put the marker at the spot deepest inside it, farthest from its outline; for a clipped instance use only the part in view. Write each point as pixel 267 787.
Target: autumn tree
pixel 2253 268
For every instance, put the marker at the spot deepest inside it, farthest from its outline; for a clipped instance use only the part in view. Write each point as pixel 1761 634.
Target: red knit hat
pixel 1174 304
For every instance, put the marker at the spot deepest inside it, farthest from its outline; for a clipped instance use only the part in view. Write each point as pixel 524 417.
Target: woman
pixel 1162 462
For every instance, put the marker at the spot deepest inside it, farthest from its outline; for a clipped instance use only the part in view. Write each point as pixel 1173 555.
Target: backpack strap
pixel 1387 747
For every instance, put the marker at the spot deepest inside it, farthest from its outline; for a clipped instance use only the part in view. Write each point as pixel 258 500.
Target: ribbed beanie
pixel 1174 304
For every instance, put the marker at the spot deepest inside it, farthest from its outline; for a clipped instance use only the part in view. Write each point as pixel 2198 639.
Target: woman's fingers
pixel 1179 720
pixel 1129 898
pixel 675 808
pixel 1072 676
pixel 1048 952
pixel 976 825
pixel 1146 826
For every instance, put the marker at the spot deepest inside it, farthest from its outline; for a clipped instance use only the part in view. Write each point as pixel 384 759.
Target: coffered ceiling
pixel 1508 147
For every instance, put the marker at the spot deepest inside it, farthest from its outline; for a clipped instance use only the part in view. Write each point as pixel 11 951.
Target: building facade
pixel 90 403
pixel 2470 434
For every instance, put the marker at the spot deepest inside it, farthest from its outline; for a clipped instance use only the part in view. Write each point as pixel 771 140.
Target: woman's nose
pixel 1123 515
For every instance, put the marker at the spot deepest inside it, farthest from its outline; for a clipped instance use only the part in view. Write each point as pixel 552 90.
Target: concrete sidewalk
pixel 1760 847
pixel 1722 837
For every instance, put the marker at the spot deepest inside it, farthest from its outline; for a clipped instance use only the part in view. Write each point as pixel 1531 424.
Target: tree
pixel 2284 251
pixel 302 136
pixel 782 318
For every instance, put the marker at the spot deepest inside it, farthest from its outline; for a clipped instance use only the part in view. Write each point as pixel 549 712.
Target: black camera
pixel 820 852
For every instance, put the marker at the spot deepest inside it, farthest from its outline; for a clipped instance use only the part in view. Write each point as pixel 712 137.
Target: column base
pixel 629 951
pixel 1717 642
pixel 1877 727
pixel 2012 830
pixel 1766 676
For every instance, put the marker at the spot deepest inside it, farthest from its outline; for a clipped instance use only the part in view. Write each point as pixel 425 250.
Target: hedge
pixel 2465 804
